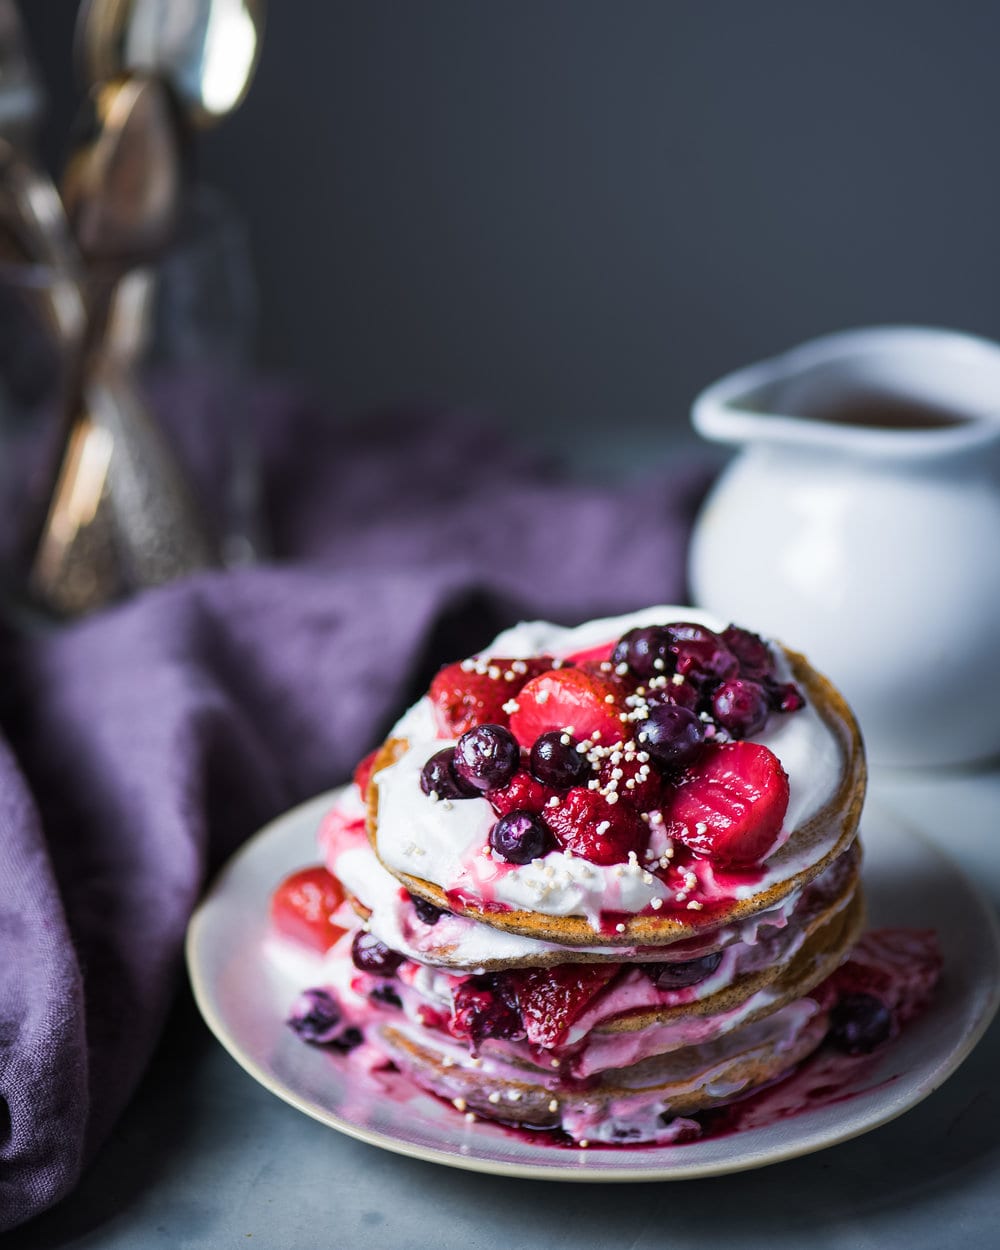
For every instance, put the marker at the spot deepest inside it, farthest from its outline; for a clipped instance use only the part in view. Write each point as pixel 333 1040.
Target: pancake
pixel 810 848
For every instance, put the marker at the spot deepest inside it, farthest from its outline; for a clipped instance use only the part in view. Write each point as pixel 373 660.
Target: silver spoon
pixel 122 185
pixel 120 517
pixel 207 49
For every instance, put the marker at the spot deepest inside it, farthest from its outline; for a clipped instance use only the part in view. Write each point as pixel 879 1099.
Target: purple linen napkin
pixel 142 745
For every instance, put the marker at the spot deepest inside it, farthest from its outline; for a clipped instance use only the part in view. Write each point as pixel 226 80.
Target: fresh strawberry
pixel 588 825
pixel 568 697
pixel 363 772
pixel 303 905
pixel 462 696
pixel 521 793
pixel 731 804
pixel 461 700
pixel 551 999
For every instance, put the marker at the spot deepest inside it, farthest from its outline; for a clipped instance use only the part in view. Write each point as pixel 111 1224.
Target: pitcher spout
pixel 885 393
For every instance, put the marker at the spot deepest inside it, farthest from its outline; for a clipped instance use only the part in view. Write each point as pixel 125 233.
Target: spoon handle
pixel 120 516
pixel 75 564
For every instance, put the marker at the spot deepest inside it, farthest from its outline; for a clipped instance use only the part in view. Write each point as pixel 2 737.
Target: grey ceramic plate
pixel 244 995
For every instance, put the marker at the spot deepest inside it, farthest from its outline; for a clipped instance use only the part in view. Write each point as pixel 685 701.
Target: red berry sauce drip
pixel 609 922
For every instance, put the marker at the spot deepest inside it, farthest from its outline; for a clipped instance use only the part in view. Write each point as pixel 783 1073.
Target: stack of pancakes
pixel 552 1019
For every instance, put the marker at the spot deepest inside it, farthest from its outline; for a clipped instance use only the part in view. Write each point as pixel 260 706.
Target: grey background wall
pixel 574 212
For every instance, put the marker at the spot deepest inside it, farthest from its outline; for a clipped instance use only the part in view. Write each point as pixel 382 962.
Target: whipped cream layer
pixel 446 843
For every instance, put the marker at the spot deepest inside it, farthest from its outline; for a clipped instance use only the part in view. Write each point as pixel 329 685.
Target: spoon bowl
pixel 122 185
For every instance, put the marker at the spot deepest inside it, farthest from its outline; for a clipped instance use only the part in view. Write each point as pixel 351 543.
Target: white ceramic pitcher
pixel 873 548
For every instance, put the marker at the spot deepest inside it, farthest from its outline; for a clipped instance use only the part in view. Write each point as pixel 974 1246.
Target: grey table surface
pixel 205 1157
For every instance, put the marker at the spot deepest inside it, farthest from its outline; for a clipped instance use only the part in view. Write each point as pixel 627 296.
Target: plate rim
pixel 582 1170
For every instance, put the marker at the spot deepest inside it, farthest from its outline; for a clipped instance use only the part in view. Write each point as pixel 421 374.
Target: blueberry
pixel 371 955
pixel 520 837
pixel 439 778
pixel 427 912
pixel 385 994
pixel 671 735
pixel 315 1016
pixel 347 1040
pixel 484 1006
pixel 679 976
pixel 486 757
pixel 700 655
pixel 741 707
pixel 686 694
pixel 645 650
pixel 557 763
pixel 859 1023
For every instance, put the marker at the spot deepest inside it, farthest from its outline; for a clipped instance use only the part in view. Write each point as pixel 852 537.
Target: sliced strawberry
pixel 588 825
pixel 551 999
pixel 363 772
pixel 521 793
pixel 462 700
pixel 302 907
pixel 731 804
pixel 464 696
pixel 568 697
